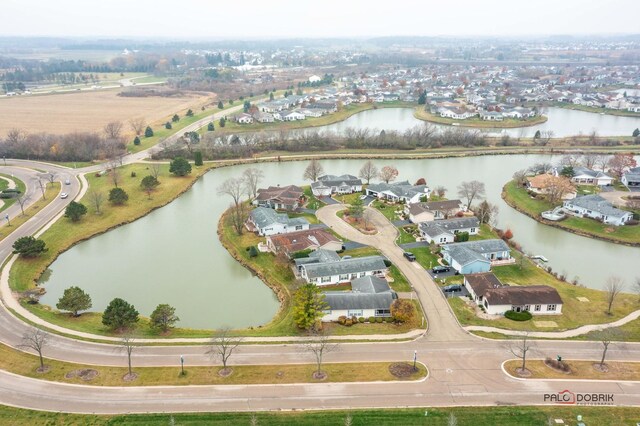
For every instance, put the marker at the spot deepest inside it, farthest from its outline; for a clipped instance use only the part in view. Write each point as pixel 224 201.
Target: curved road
pixel 464 370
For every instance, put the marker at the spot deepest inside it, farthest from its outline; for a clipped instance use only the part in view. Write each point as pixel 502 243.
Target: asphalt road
pixel 464 370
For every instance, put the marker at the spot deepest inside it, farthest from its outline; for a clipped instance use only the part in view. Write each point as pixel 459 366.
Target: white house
pixel 399 192
pixel 596 207
pixel 244 118
pixel 477 256
pixel 263 117
pixel 584 176
pixel 631 178
pixel 291 116
pixel 434 210
pixel 370 296
pixel 536 299
pixel 266 221
pixel 332 184
pixel 324 268
pixel 444 231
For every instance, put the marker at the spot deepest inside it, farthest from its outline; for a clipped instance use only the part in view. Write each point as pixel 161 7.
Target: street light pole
pixel 181 365
pixel 415 357
pixel 6 216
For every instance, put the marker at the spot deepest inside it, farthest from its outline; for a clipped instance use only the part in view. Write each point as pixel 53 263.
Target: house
pixel 478 284
pixel 444 231
pixel 537 299
pixel 332 184
pixel 263 117
pixel 540 184
pixel 280 198
pixel 491 116
pixel 323 267
pixel 399 192
pixel 477 256
pixel 314 79
pixel 291 116
pixel 584 176
pixel 631 178
pixel 370 296
pixel 455 113
pixel 311 239
pixel 244 118
pixel 266 221
pixel 596 207
pixel 434 210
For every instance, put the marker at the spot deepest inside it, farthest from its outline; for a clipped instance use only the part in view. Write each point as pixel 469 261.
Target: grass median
pixel 50 193
pixel 579 370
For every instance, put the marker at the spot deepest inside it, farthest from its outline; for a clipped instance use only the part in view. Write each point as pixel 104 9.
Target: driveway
pixel 615 197
pixel 328 200
pixel 443 326
pixel 400 223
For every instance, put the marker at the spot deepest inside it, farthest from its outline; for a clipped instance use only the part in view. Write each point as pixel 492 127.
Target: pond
pixel 173 255
pixel 563 122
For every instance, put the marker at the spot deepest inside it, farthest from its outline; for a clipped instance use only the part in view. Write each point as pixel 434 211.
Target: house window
pixel 344 277
pixel 354 312
pixel 327 311
pixel 537 308
pixel 473 230
pixel 325 279
pixel 527 307
pixel 354 276
pixel 362 274
pixel 383 312
pixel 298 227
pixel 551 307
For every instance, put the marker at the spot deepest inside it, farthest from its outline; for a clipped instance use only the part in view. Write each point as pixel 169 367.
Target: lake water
pixel 563 122
pixel 173 255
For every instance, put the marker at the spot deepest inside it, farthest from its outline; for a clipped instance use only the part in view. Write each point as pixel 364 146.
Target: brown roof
pixel 523 295
pixel 482 282
pixel 286 194
pixel 301 240
pixel 445 206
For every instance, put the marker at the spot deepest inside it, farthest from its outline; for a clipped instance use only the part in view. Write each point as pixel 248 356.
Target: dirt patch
pixel 601 368
pixel 86 374
pixel 359 224
pixel 523 372
pixel 225 372
pixel 401 370
pixel 279 374
pixel 609 230
pixel 130 377
pixel 319 375
pixel 559 366
pixel 43 370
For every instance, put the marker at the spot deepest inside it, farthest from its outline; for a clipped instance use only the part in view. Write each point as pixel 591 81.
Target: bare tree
pixel 540 168
pixel 22 200
pixel 51 176
pixel 388 173
pixel 520 177
pixel 113 129
pixel 570 160
pixel 452 420
pixel 601 161
pixel 96 199
pixel 440 191
pixel 520 349
pixel 114 174
pixel 318 347
pixel 128 345
pixel 606 337
pixel 222 346
pixel 154 169
pixel 234 187
pixel 137 125
pixel 35 339
pixel 252 178
pixel 368 171
pixel 546 136
pixel 486 212
pixel 556 187
pixel 613 287
pixel 42 185
pixel 471 190
pixel 590 160
pixel 313 171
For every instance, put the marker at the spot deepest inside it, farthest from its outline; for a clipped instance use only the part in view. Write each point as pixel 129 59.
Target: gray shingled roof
pixel 263 217
pixel 338 300
pixel 319 256
pixel 369 284
pixel 584 171
pixel 399 189
pixel 333 180
pixel 439 227
pixel 597 203
pixel 345 266
pixel 470 251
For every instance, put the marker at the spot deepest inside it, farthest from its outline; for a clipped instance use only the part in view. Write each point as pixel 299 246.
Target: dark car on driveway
pixel 410 256
pixel 455 288
pixel 441 269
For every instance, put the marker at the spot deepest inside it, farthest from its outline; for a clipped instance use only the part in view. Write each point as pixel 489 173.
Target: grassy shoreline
pixel 595 110
pixel 509 123
pixel 519 199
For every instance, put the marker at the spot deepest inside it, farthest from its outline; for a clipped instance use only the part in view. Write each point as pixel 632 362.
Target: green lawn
pixel 518 197
pixel 310 217
pixel 312 201
pixel 51 192
pixel 388 210
pixel 424 257
pixel 406 234
pixel 348 198
pixel 4 185
pixel 478 416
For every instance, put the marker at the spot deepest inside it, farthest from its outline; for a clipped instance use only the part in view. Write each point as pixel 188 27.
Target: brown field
pixel 88 111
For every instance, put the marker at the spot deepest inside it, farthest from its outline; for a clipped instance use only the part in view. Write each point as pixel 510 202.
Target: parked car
pixel 441 269
pixel 67 182
pixel 362 197
pixel 454 288
pixel 64 195
pixel 410 256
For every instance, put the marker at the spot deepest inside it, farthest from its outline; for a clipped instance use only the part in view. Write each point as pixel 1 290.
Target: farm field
pixel 87 111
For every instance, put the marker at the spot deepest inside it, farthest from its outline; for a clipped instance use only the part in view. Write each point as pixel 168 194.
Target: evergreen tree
pixel 197 157
pixel 308 306
pixel 136 141
pixel 29 246
pixel 75 211
pixel 220 105
pixel 189 113
pixel 271 96
pixel 148 132
pixel 119 315
pixel 74 299
pixel 163 317
pixel 180 167
pixel 175 118
pixel 118 196
pixel 168 125
pixel 210 127
pixel 636 133
pixel 222 122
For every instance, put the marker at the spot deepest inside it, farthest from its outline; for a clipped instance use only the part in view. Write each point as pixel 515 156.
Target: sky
pixel 250 19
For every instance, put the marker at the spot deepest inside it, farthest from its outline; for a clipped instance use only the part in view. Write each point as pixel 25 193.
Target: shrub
pixel 558 365
pixel 387 263
pixel 389 319
pixel 348 322
pixel 379 320
pixel 361 320
pixel 518 316
pixel 372 319
pixel 354 319
pixel 133 174
pixel 253 251
pixel 301 254
pixel 402 310
pixel 342 319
